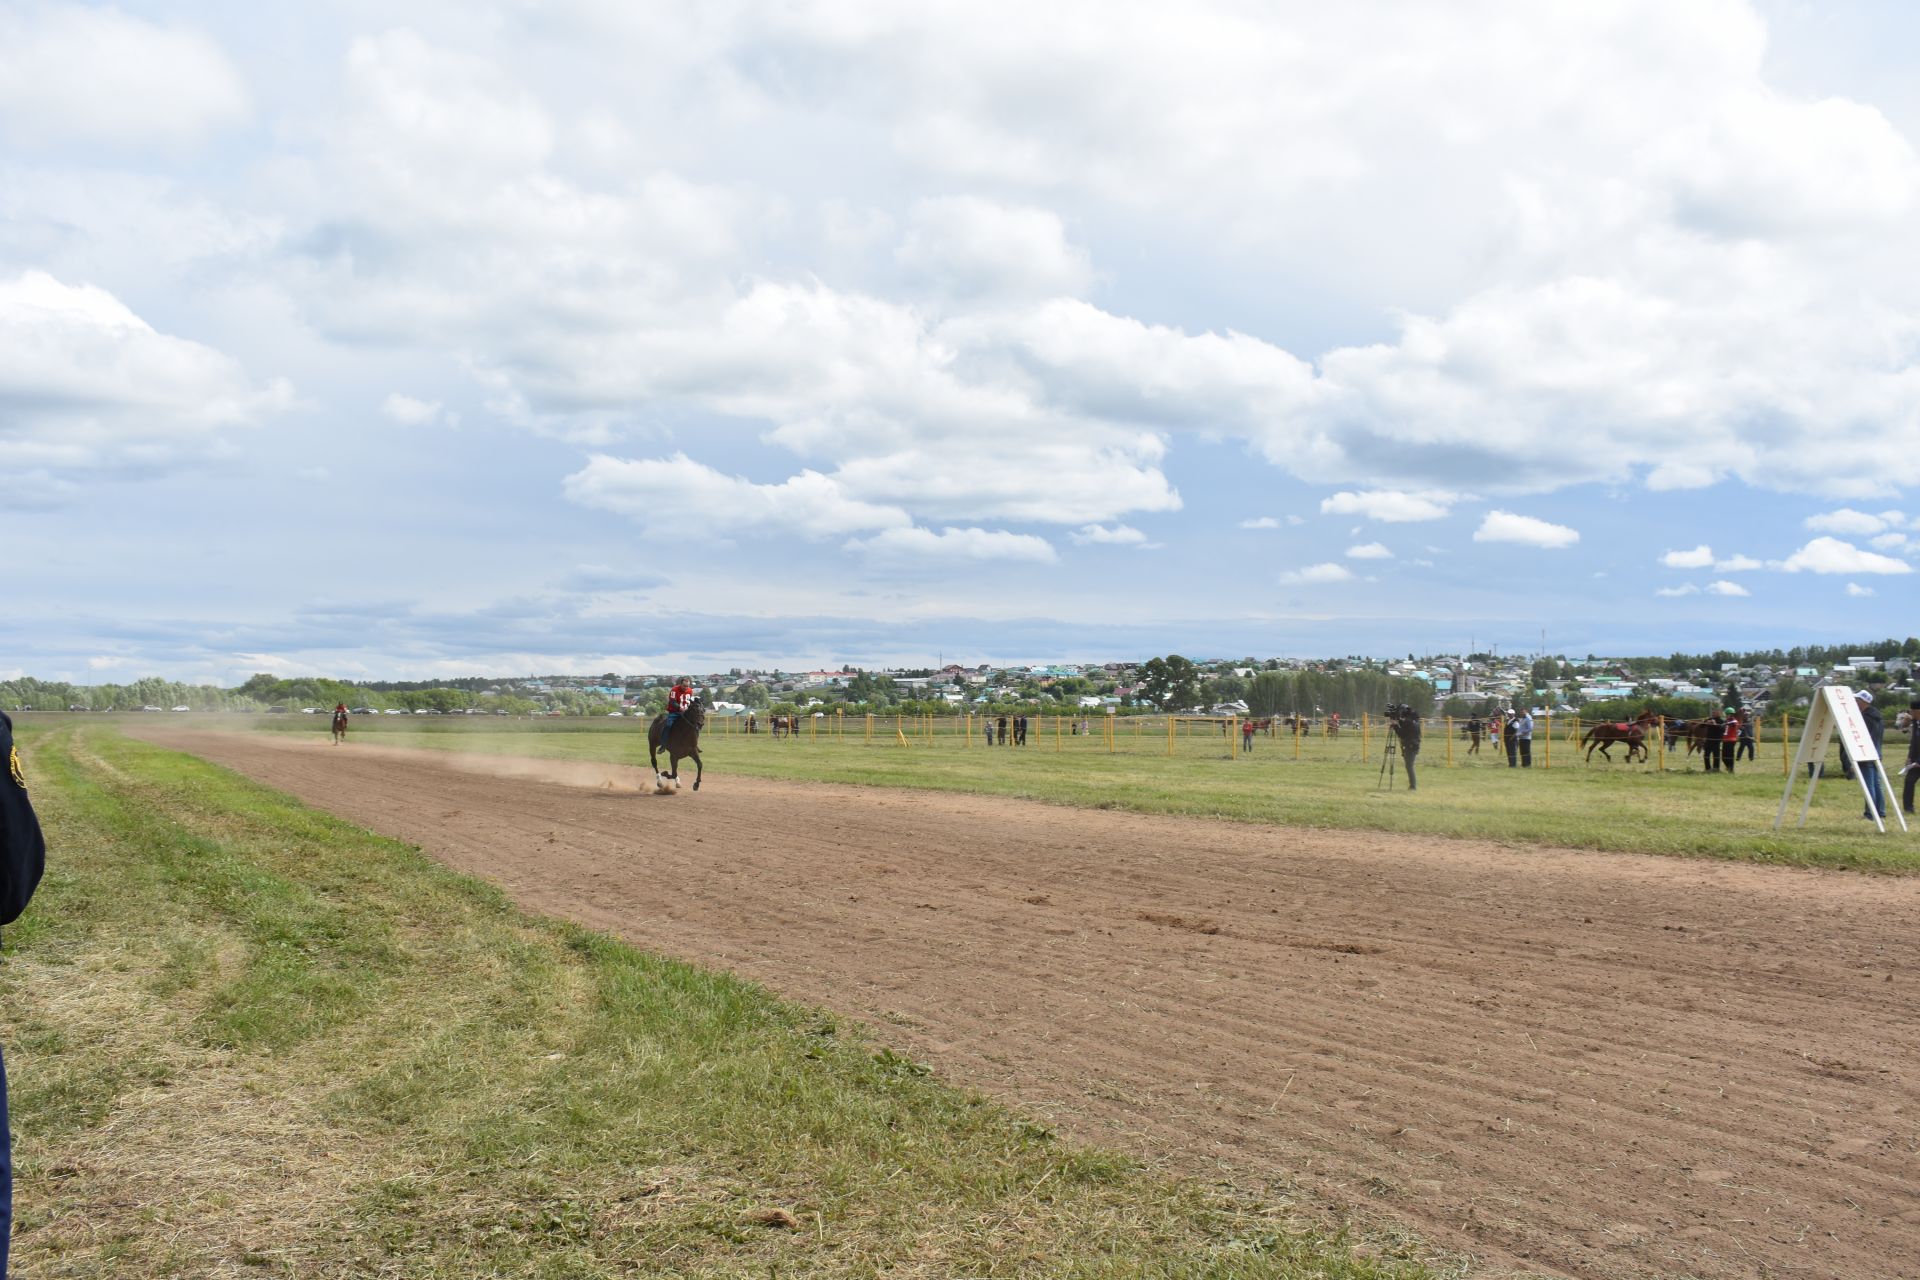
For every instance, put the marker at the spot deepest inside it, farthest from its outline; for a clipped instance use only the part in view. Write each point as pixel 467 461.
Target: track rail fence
pixel 1446 740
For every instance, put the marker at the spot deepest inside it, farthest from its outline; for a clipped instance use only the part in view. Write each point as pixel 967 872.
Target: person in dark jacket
pixel 1913 755
pixel 23 856
pixel 1870 769
pixel 1405 723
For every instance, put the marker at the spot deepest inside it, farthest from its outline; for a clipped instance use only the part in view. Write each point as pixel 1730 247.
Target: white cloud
pixel 1725 588
pixel 1260 522
pixel 1846 521
pixel 1739 564
pixel 409 411
pixel 1888 541
pixel 1698 558
pixel 1328 572
pixel 1855 589
pixel 1631 314
pixel 1504 526
pixel 74 73
pixel 1119 535
pixel 678 493
pixel 1369 551
pixel 957 544
pixel 88 386
pixel 1684 589
pixel 1391 506
pixel 1831 555
pixel 968 246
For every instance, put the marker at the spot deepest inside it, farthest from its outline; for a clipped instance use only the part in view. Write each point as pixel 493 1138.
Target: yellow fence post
pixel 1449 742
pixel 1549 760
pixel 1169 735
pixel 1296 735
pixel 1366 736
pixel 1233 737
pixel 1786 740
pixel 1660 743
pixel 869 726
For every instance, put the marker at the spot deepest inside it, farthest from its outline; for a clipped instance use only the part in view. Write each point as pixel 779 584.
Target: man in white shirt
pixel 1523 735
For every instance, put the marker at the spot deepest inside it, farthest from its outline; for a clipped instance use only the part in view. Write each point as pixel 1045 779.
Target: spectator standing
pixel 1870 769
pixel 1730 739
pixel 1912 768
pixel 1710 744
pixel 1004 741
pixel 988 726
pixel 1474 731
pixel 1246 735
pixel 1523 736
pixel 1748 731
pixel 23 856
pixel 1510 737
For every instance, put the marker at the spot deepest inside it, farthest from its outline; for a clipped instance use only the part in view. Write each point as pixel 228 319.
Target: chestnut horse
pixel 339 727
pixel 1633 733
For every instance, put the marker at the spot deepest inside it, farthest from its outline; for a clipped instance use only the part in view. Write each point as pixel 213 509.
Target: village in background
pixel 1456 685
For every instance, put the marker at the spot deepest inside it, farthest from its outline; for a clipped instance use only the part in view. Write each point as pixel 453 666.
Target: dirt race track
pixel 1567 1062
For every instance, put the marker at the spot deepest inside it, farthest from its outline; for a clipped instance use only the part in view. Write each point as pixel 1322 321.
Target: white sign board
pixel 1836 711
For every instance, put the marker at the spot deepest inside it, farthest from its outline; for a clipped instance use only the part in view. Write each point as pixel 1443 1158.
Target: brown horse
pixel 680 742
pixel 339 726
pixel 1632 732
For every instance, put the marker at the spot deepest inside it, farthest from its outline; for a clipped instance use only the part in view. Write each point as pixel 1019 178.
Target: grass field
pixel 1678 811
pixel 249 1039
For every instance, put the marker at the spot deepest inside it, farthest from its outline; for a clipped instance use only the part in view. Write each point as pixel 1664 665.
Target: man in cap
pixel 23 856
pixel 1870 769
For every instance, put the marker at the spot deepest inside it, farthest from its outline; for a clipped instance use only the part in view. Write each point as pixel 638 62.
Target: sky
pixel 498 337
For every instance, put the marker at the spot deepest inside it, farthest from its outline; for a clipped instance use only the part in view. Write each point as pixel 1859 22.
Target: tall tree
pixel 1171 683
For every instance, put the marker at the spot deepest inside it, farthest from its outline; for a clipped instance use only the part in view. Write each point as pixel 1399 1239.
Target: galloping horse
pixel 1632 732
pixel 339 726
pixel 680 742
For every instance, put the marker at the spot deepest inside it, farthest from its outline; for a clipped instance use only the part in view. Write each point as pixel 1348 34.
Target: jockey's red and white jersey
pixel 681 698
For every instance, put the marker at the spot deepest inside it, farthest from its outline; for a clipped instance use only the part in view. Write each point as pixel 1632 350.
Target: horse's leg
pixel 653 755
pixel 696 768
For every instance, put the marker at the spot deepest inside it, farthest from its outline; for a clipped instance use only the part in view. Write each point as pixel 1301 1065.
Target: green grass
pixel 247 1038
pixel 1679 811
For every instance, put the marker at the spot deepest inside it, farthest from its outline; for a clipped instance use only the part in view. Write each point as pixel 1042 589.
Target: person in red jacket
pixel 1729 739
pixel 679 698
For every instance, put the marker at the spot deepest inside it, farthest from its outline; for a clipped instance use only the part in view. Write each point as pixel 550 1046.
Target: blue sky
pixel 500 337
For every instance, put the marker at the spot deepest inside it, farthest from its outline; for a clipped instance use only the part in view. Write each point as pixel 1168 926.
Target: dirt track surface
pixel 1570 1062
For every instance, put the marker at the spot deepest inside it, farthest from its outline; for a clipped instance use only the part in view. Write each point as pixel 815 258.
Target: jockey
pixel 679 699
pixel 339 711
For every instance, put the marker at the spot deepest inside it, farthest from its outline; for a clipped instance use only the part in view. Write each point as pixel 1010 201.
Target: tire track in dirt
pixel 1580 1063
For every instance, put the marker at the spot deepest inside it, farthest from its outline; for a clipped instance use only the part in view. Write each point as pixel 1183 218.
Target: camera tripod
pixel 1387 760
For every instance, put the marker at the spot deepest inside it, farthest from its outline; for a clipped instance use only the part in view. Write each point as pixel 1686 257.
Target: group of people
pixel 1009 733
pixel 1514 729
pixel 1728 736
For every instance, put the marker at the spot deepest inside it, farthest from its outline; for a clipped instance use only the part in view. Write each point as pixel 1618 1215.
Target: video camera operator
pixel 1404 722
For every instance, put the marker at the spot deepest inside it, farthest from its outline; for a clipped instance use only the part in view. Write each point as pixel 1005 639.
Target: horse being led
pixel 680 742
pixel 1633 733
pixel 339 725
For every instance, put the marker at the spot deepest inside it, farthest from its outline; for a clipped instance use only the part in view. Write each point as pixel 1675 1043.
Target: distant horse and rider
pixel 340 724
